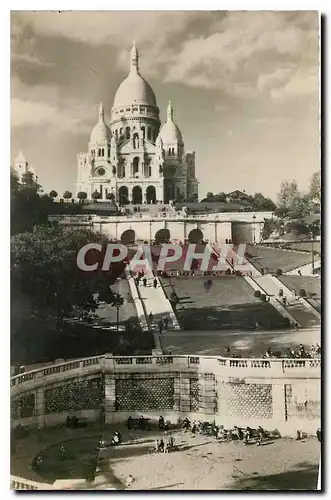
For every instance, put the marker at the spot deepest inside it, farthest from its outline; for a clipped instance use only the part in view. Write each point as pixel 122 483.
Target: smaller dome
pixel 101 131
pixel 170 132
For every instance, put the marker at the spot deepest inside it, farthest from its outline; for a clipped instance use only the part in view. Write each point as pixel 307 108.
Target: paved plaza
pixel 201 462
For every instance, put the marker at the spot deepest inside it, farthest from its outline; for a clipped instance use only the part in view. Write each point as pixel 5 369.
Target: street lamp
pixel 312 252
pixel 254 219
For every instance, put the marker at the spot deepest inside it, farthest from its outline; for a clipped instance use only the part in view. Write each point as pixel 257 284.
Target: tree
pixel 28 179
pixel 110 196
pixel 67 195
pixel 44 272
pixel 81 195
pixel 28 207
pixel 96 195
pixel 315 188
pixel 53 194
pixel 288 194
pixel 260 202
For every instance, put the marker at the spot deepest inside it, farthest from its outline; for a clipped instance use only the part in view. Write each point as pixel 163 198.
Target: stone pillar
pixel 278 403
pixel 110 398
pixel 207 394
pixel 182 394
pixel 39 406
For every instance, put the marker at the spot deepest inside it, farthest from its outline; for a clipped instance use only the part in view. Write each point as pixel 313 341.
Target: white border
pixel 322 6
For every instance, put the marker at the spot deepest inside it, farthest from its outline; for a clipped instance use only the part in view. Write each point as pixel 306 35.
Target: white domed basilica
pixel 132 159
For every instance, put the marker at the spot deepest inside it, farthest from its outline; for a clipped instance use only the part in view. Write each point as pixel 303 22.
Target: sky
pixel 244 86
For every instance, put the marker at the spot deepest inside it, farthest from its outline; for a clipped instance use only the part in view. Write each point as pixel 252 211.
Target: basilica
pixel 132 158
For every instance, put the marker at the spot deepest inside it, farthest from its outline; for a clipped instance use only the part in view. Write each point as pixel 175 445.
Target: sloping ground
pixel 229 304
pixel 310 284
pixel 272 259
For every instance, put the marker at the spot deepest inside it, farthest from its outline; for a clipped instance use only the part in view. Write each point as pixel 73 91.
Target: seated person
pixel 161 423
pixel 161 445
pixel 116 439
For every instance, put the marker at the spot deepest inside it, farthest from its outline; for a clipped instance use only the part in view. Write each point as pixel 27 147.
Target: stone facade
pixel 130 159
pixel 281 394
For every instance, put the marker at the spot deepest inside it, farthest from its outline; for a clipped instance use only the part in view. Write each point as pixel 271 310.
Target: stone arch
pixel 123 195
pixel 137 195
pixel 135 166
pixel 162 236
pixel 151 194
pixel 195 236
pixel 128 237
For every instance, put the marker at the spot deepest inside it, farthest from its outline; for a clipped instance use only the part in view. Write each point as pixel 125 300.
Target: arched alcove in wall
pixel 137 195
pixel 151 194
pixel 195 236
pixel 123 195
pixel 162 236
pixel 128 237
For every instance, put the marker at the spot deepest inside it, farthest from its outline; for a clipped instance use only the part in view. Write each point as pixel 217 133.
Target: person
pixel 161 423
pixel 296 326
pixel 284 301
pixel 319 435
pixel 194 428
pixel 186 424
pixel 161 445
pixel 257 326
pixel 62 452
pixel 299 273
pixel 116 438
pixel 129 423
pixel 166 322
pixel 247 434
pixel 156 445
pixel 160 327
pixel 145 281
pixel 260 434
pixel 228 350
pixel 129 481
pixel 155 283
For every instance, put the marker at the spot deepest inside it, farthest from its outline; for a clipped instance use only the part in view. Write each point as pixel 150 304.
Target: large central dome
pixel 134 89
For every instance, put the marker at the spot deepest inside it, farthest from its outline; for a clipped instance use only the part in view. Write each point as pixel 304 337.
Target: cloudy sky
pixel 245 87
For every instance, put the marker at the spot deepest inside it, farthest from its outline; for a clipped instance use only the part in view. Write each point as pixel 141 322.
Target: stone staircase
pixel 298 308
pixel 229 304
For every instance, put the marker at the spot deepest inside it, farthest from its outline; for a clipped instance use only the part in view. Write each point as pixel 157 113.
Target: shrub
pixel 302 292
pixel 263 297
pixel 279 272
pixel 257 293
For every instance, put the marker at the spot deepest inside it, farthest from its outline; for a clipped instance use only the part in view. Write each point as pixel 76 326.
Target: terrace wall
pixel 282 394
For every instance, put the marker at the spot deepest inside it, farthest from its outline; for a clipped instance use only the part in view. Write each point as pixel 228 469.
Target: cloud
pixel 250 52
pixel 114 27
pixel 69 118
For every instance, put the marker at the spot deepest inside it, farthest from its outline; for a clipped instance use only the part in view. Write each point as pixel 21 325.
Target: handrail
pixel 277 363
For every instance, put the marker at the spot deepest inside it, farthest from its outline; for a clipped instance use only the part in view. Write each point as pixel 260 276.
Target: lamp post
pixel 312 252
pixel 254 239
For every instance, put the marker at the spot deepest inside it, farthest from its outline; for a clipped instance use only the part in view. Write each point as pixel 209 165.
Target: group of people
pixel 163 323
pixel 165 445
pixel 141 277
pixel 223 434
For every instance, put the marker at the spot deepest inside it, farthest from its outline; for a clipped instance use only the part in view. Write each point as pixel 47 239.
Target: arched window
pixel 149 133
pixel 127 133
pixel 143 129
pixel 121 132
pixel 173 151
pixel 108 152
pixel 135 166
pixel 116 134
pixel 169 152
